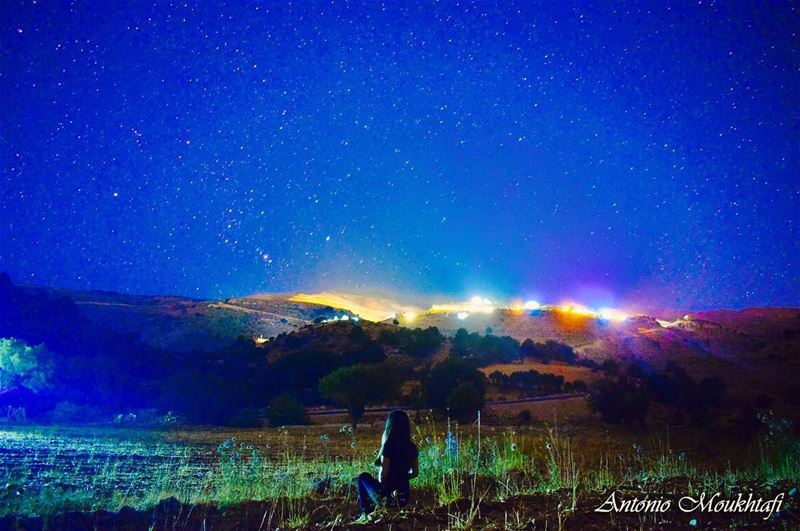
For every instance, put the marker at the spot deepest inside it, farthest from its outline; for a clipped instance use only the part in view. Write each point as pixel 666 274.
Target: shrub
pixel 619 401
pixel 22 365
pixel 675 388
pixel 465 400
pixel 524 418
pixel 357 386
pixel 578 386
pixel 548 351
pixel 446 376
pixel 286 410
pixel 485 349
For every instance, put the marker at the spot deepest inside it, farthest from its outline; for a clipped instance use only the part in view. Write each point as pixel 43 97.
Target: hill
pixel 755 350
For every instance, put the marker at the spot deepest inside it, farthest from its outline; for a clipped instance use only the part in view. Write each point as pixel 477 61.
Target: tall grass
pixel 455 464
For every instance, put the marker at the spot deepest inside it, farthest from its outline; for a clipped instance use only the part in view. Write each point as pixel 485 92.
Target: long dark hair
pixel 397 430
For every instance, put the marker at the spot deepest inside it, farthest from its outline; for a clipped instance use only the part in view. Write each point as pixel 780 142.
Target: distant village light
pixel 531 305
pixel 610 314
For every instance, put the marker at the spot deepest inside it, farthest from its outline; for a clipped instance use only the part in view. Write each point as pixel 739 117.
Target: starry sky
pixel 617 153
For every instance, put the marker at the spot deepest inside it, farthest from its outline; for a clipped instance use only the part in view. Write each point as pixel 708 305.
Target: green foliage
pixel 465 400
pixel 619 401
pixel 23 365
pixel 102 469
pixel 357 386
pixel 446 376
pixel 286 410
pixel 675 388
pixel 417 343
pixel 548 351
pixel 528 383
pixel 485 349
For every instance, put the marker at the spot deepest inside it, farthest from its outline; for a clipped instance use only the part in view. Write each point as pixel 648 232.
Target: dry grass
pixel 570 373
pixel 465 470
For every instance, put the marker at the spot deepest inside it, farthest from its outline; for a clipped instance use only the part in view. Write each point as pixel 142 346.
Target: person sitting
pixel 398 463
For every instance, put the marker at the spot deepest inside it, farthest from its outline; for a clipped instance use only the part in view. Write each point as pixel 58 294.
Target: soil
pixel 540 511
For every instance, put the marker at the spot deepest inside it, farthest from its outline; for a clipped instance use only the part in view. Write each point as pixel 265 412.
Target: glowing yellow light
pixel 462 315
pixel 577 310
pixel 531 305
pixel 366 307
pixel 474 305
pixel 410 316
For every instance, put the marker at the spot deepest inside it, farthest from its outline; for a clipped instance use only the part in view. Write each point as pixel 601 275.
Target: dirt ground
pixel 544 511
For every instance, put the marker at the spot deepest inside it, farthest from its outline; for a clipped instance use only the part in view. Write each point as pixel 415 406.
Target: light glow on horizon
pixel 610 314
pixel 531 305
pixel 373 309
pixel 476 304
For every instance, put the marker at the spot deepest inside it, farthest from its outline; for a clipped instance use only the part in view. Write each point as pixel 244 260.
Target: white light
pixel 611 314
pixel 462 315
pixel 531 305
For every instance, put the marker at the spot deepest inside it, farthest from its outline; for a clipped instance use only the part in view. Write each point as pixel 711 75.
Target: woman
pixel 398 464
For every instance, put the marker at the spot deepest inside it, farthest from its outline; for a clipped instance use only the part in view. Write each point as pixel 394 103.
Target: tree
pixel 548 351
pixel 446 376
pixel 465 400
pixel 527 349
pixel 357 386
pixel 23 365
pixel 461 342
pixel 286 410
pixel 619 401
pixel 357 334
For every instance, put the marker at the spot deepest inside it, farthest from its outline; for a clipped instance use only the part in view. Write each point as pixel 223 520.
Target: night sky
pixel 643 154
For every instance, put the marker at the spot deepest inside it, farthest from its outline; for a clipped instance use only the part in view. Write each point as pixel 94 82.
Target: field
pixel 655 425
pixel 471 476
pixel 570 373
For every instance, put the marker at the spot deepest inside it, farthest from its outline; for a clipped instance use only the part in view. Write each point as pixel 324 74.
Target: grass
pixel 460 467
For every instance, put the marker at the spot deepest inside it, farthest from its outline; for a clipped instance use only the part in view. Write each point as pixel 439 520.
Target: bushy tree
pixel 619 401
pixel 357 386
pixel 528 383
pixel 548 351
pixel 527 349
pixel 286 410
pixel 417 343
pixel 446 376
pixel 675 388
pixel 485 349
pixel 23 365
pixel 465 400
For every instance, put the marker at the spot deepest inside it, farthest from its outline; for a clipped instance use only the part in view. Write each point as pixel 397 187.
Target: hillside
pixel 756 347
pixel 184 324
